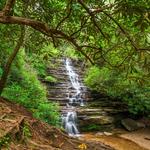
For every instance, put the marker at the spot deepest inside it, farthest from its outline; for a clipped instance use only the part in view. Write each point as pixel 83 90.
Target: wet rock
pixel 131 125
pixel 99 134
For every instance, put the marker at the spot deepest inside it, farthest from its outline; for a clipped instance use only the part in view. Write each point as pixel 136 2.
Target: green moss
pixel 50 79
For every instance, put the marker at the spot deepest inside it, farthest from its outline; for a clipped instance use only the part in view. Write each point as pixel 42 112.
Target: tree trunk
pixel 11 58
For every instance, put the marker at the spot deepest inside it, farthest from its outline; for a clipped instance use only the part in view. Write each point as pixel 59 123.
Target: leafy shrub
pixel 42 57
pixel 132 89
pixel 72 53
pixel 43 112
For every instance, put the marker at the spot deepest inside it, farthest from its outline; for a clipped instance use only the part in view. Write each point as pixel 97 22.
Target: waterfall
pixel 69 119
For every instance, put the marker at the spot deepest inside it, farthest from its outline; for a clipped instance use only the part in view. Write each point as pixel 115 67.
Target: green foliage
pixel 4 141
pixel 39 65
pixel 41 59
pixel 24 88
pixel 96 78
pixel 132 89
pixel 72 53
pixel 50 79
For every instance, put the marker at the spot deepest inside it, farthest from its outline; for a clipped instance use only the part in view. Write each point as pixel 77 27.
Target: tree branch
pixel 122 29
pixel 43 28
pixel 69 12
pixel 83 22
pixel 94 11
pixel 92 17
pixel 10 60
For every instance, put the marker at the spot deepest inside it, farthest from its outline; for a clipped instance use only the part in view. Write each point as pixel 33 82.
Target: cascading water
pixel 75 99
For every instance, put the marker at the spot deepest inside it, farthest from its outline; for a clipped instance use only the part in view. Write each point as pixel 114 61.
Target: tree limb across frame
pixel 37 25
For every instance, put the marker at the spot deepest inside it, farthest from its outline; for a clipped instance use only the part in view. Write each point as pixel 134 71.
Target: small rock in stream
pixel 108 133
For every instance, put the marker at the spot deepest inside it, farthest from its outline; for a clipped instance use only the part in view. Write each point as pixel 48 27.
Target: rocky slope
pixel 20 131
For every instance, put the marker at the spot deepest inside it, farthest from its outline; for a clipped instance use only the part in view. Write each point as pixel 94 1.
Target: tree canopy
pixel 94 28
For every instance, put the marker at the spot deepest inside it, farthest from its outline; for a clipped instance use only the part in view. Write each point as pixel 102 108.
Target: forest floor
pixel 136 140
pixel 20 131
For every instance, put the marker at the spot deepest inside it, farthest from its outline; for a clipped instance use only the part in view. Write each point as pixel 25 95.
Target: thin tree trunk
pixel 10 60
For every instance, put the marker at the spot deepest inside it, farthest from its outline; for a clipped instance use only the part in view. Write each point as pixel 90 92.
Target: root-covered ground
pixel 20 131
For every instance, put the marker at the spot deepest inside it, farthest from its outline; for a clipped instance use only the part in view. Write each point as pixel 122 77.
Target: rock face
pixel 99 109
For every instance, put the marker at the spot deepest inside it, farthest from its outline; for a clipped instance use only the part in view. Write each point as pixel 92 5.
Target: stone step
pixel 58 99
pixel 65 86
pixel 110 111
pixel 62 67
pixel 67 89
pixel 62 99
pixel 104 102
pixel 70 88
pixel 58 73
pixel 63 72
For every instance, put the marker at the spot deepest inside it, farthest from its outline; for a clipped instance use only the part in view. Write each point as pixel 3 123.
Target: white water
pixel 75 99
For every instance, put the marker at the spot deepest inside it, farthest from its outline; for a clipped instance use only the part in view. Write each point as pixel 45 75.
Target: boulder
pixel 131 125
pixel 98 120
